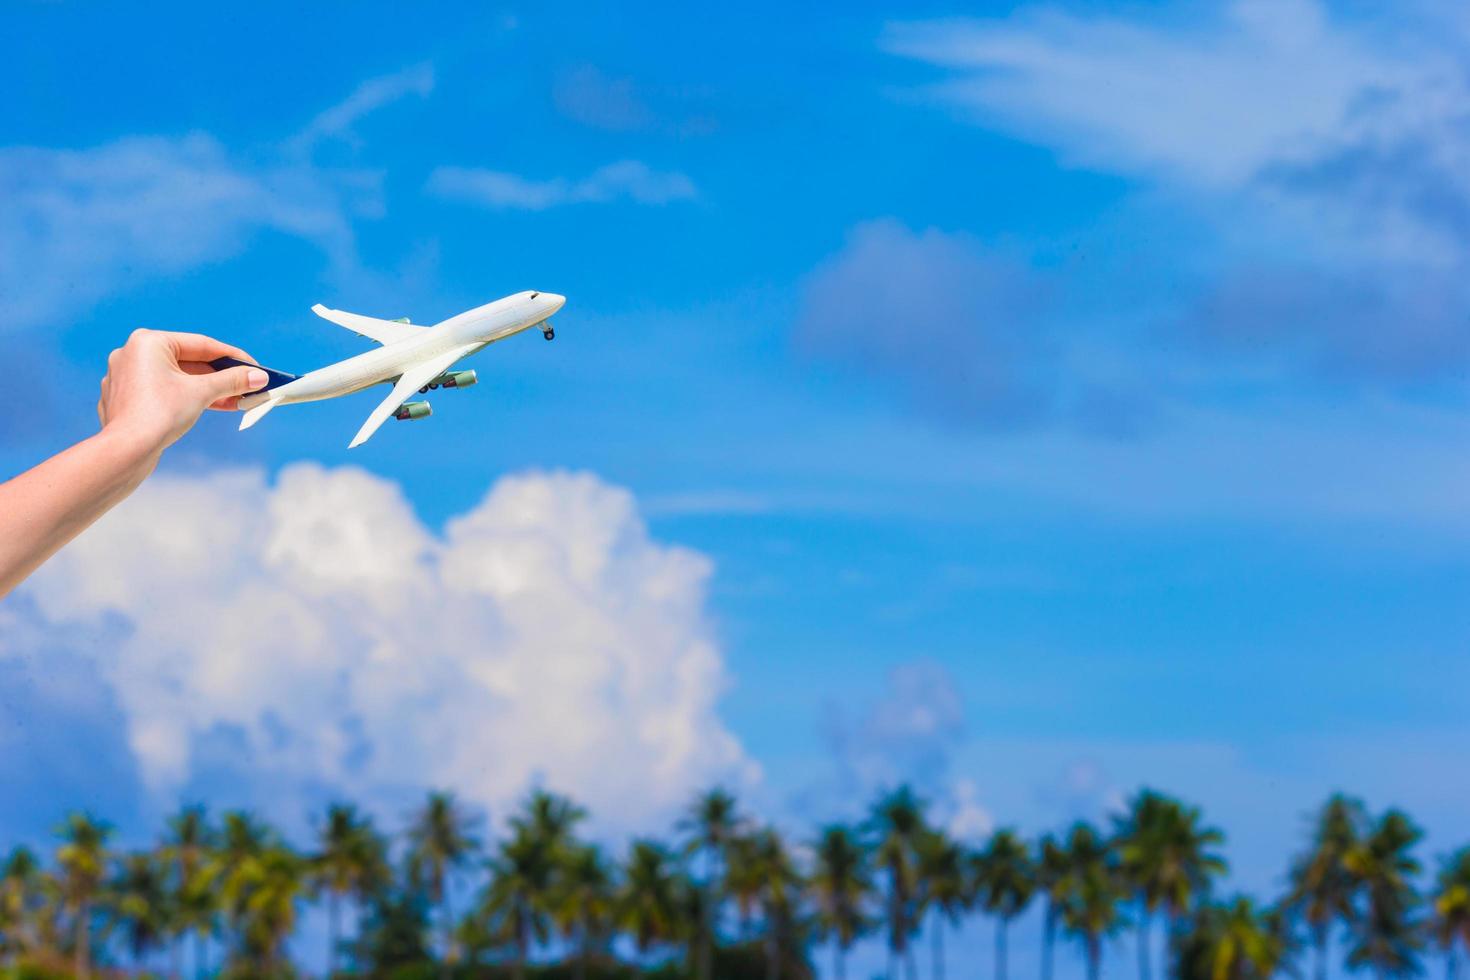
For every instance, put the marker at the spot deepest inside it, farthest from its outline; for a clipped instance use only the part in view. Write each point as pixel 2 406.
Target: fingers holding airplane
pixel 156 386
pixel 225 387
pixel 199 348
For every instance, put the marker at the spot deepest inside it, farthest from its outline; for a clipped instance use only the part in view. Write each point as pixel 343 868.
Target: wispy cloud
pixel 590 96
pixel 337 122
pixel 1328 157
pixel 626 180
pixel 1211 102
pixel 593 98
pixel 967 331
pixel 80 224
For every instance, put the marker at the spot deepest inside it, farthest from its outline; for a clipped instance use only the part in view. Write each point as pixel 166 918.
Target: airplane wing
pixel 383 331
pixel 409 382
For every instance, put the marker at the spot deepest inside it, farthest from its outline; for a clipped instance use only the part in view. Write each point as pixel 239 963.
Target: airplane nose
pixel 556 300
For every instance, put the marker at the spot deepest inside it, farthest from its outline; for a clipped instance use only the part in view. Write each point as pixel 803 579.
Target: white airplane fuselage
pixel 467 332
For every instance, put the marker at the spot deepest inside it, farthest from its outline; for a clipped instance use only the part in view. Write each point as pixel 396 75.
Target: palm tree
pixel 897 823
pixel 441 841
pixel 647 903
pixel 243 839
pixel 270 886
pixel 1386 932
pixel 1166 859
pixel 780 891
pixel 742 880
pixel 1051 878
pixel 940 867
pixel 583 903
pixel 142 904
pixel 187 846
pixel 1321 891
pixel 1231 942
pixel 351 862
pixel 1004 879
pixel 549 817
pixel 711 823
pixel 82 859
pixel 20 897
pixel 1093 892
pixel 517 902
pixel 841 884
pixel 1450 925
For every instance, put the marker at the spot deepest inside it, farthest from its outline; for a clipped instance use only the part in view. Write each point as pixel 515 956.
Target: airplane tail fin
pixel 257 412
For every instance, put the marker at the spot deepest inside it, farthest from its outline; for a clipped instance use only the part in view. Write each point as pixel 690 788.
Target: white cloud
pixel 625 180
pixel 968 819
pixel 371 95
pixel 589 96
pixel 543 636
pixel 1323 155
pixel 1213 102
pixel 79 224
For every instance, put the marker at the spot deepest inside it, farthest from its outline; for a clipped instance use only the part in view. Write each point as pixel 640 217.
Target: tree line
pixel 724 896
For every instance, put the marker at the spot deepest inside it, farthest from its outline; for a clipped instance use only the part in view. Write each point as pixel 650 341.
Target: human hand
pixel 159 383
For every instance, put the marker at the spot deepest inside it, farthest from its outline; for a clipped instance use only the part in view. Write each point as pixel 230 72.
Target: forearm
pixel 45 507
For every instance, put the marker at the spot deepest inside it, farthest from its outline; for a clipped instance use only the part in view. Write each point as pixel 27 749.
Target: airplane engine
pixel 458 379
pixel 412 411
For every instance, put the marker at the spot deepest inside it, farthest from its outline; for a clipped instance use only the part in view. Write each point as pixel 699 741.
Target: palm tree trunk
pixel 772 968
pixel 1451 962
pixel 895 934
pixel 199 951
pixel 448 929
pixel 938 948
pixel 1094 958
pixel 1000 947
pixel 84 940
pixel 1145 919
pixel 839 962
pixel 705 965
pixel 176 957
pixel 334 932
pixel 1048 940
pixel 579 968
pixel 1319 935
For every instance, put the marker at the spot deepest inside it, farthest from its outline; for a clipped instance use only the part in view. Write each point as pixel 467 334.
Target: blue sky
pixel 1048 399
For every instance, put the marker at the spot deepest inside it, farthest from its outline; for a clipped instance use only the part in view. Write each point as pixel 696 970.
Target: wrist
pixel 127 453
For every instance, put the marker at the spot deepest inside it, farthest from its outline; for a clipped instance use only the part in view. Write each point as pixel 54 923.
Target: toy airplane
pixel 413 358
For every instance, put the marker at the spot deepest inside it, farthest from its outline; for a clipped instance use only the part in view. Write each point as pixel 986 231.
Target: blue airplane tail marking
pixel 277 378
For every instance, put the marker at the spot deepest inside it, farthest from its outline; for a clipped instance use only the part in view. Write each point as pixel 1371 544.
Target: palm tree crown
pixel 840 884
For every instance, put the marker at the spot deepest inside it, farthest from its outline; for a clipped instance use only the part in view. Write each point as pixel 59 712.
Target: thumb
pixel 230 382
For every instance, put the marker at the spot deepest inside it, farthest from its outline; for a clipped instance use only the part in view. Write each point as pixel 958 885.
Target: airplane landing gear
pixel 548 333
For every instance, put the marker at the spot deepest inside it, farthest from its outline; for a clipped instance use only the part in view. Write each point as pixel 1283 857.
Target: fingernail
pixel 256 378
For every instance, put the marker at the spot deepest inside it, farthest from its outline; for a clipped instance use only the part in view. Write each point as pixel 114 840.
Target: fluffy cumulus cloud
pixel 908 735
pixel 314 633
pixel 627 180
pixel 1328 155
